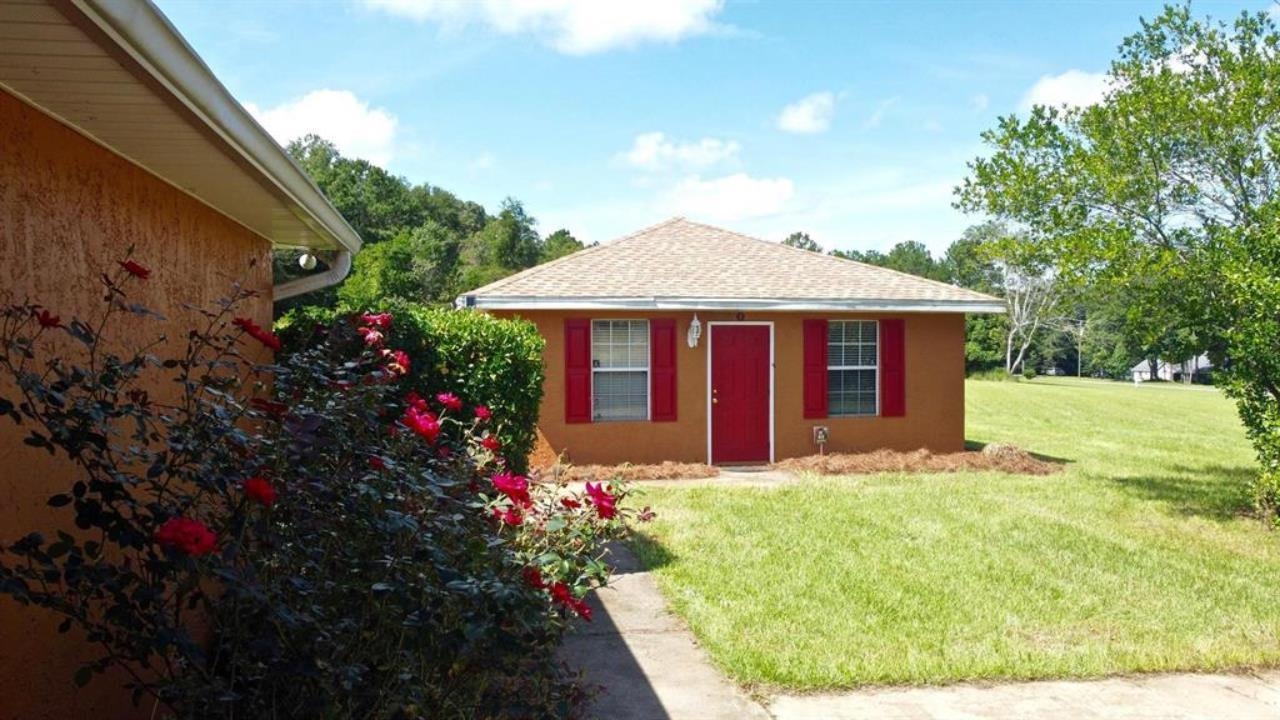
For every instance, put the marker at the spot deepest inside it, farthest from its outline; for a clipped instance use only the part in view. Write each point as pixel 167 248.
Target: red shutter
pixel 815 368
pixel 577 370
pixel 662 370
pixel 893 368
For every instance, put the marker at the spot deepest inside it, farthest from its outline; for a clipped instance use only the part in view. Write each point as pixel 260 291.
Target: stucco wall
pixel 934 395
pixel 68 210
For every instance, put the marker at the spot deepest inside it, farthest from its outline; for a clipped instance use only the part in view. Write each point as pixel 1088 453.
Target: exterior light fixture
pixel 695 331
pixel 307 261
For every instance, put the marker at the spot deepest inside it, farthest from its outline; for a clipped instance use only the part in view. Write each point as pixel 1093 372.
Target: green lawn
pixel 1136 558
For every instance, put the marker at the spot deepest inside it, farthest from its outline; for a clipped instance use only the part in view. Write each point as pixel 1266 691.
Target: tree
pixel 1166 189
pixel 419 265
pixel 802 241
pixel 558 244
pixel 1031 296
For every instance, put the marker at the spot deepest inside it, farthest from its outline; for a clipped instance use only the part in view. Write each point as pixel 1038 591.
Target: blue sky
pixel 848 120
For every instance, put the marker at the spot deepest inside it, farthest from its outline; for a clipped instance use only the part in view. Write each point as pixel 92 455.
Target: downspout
pixel 337 272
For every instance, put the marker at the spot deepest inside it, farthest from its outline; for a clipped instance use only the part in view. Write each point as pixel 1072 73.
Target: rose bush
pixel 481 359
pixel 303 539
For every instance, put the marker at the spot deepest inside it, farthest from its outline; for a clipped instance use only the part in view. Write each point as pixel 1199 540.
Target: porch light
pixel 695 331
pixel 307 261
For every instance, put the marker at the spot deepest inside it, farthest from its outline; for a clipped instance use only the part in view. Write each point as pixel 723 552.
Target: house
pixel 691 343
pixel 113 133
pixel 1195 369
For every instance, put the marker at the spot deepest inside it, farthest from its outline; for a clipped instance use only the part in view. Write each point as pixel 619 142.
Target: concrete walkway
pixel 651 668
pixel 645 659
pixel 1162 697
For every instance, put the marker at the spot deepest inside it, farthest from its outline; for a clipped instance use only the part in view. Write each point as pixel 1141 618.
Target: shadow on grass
pixel 650 553
pixel 977 446
pixel 1217 492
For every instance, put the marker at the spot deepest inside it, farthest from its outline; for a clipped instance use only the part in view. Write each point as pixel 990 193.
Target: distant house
pixel 1194 369
pixel 114 134
pixel 693 343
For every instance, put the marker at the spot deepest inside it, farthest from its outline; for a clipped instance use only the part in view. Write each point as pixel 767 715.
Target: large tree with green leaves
pixel 1166 190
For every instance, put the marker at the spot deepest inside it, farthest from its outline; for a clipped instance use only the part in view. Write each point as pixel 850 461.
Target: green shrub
pixel 1029 372
pixel 481 359
pixel 991 375
pixel 1265 489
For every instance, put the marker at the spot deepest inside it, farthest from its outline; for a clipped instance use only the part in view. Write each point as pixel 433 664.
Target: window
pixel 619 370
pixel 852 367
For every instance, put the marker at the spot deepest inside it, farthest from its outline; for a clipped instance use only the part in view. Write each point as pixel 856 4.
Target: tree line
pixel 422 243
pixel 1050 325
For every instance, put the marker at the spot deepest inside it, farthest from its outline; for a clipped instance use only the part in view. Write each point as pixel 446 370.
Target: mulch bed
pixel 995 457
pixel 629 473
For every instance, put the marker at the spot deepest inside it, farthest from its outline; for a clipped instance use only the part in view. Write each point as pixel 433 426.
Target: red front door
pixel 740 372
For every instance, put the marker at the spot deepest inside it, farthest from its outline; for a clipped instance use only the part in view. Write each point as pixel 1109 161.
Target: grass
pixel 1137 558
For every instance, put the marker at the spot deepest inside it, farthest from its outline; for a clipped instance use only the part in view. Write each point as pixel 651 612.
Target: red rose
pixel 570 503
pixel 482 413
pixel 371 335
pixel 563 595
pixel 135 269
pixel 187 536
pixel 511 516
pixel 606 504
pixel 253 330
pixel 533 576
pixel 491 443
pixel 425 424
pixel 382 321
pixel 415 401
pixel 449 400
pixel 258 488
pixel 48 319
pixel 514 487
pixel 397 361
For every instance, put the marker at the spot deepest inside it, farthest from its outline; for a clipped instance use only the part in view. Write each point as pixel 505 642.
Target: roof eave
pixel 511 302
pixel 140 30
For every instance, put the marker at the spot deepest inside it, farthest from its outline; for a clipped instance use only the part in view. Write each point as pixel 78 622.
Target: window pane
pixel 620 344
pixel 620 395
pixel 851 343
pixel 851 392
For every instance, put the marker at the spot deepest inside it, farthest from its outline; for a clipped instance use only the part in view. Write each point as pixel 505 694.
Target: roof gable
pixel 679 263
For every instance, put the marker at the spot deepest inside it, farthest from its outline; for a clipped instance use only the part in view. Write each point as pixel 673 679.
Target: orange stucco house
pixel 692 343
pixel 113 134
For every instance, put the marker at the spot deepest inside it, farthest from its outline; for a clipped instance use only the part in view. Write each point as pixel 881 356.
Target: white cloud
pixel 729 198
pixel 573 27
pixel 808 115
pixel 655 151
pixel 877 115
pixel 1073 88
pixel 338 116
pixel 484 161
pixel 980 102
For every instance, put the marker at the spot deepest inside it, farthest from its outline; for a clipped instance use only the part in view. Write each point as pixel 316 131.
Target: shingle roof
pixel 679 263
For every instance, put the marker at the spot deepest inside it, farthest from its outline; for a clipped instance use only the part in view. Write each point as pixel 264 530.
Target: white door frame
pixel 772 372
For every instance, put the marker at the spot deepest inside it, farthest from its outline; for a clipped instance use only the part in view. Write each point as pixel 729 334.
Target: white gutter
pixel 338 270
pixel 490 302
pixel 146 35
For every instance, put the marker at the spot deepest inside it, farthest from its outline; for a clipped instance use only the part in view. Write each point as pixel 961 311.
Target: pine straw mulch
pixel 629 472
pixel 995 457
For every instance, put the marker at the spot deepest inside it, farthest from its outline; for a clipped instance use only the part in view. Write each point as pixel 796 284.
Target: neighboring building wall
pixel 68 210
pixel 934 394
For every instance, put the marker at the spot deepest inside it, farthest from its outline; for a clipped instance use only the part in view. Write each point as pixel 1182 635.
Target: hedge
pixel 481 359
